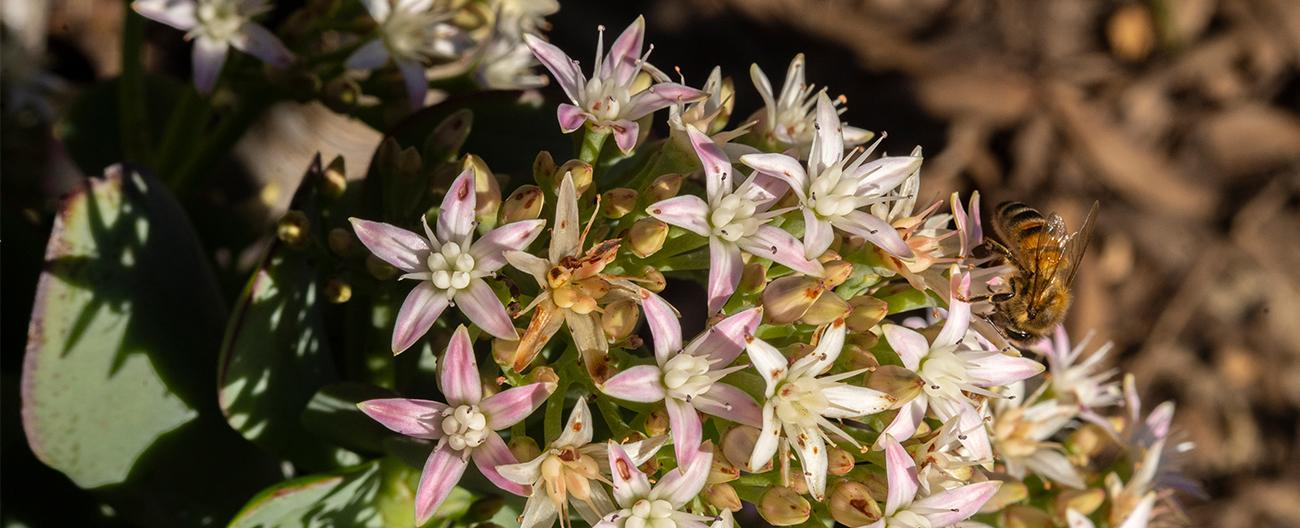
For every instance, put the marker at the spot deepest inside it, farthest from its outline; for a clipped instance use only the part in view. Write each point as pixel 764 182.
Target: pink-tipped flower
pixel 734 219
pixel 465 427
pixel 687 378
pixel 215 26
pixel 411 33
pixel 904 510
pixel 642 506
pixel 1022 432
pixel 969 228
pixel 787 118
pixel 949 366
pixel 609 100
pixel 800 405
pixel 833 188
pixel 1084 382
pixel 449 264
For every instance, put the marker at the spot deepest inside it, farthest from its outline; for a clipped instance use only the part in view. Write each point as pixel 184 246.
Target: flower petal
pixel 775 244
pixel 209 57
pixel 417 85
pixel 491 453
pixel 954 328
pixel 828 141
pixel 1054 465
pixel 570 117
pixel 175 13
pixel 882 175
pixel 379 9
pixel 418 312
pixel 729 403
pixel 764 88
pixel 508 407
pixel 828 349
pixel 680 486
pixel 781 166
pixel 1141 514
pixel 458 379
pixel 564 69
pixel 995 368
pixel 957 504
pixel 876 231
pixel 811 448
pixel 456 216
pixel 818 235
pixel 659 96
pixel 848 401
pixel 725 268
pixel 687 211
pixel 907 420
pixel 441 473
pixel 489 251
pixel 565 230
pixel 414 418
pixel 900 472
pixel 255 40
pixel 394 245
pixel 368 57
pixel 626 133
pixel 527 263
pixel 1074 519
pixel 723 341
pixel 687 430
pixel 768 361
pixel 768 440
pixel 480 304
pixel 910 345
pixel 526 473
pixel 539 511
pixel 578 430
pixel 665 328
pixel 642 383
pixel 717 168
pixel 627 481
pixel 621 62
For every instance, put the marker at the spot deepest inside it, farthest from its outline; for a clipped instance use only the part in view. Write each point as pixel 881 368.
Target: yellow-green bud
pixel 1026 517
pixel 334 181
pixel 663 188
pixel 620 319
pixel 503 352
pixel 1083 501
pixel 337 291
pixel 867 312
pixel 379 269
pixel 839 461
pixel 294 229
pixel 544 168
pixel 753 278
pixel 827 308
pixel 896 381
pixel 342 92
pixel 656 423
pixel 851 503
pixel 409 164
pixel 722 471
pixel 788 298
pixel 523 204
pixel 524 448
pixel 721 496
pixel 487 193
pixel 837 271
pixel 654 279
pixel 1010 492
pixel 647 236
pixel 340 241
pixel 581 172
pixel 617 203
pixel 738 443
pixel 781 506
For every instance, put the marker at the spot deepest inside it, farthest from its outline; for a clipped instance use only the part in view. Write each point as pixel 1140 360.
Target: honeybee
pixel 1046 259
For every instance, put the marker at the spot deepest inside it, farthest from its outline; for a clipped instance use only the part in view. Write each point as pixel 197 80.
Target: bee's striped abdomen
pixel 1026 230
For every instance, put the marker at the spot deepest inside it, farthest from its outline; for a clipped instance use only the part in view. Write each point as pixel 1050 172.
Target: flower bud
pixel 752 279
pixel 856 356
pixel 340 241
pixel 788 298
pixel 1087 442
pixel 334 181
pixel 449 135
pixel 663 188
pixel 620 319
pixel 721 496
pixel 503 352
pixel 617 203
pixel 781 506
pixel 544 168
pixel 876 484
pixel 487 193
pixel 294 229
pixel 1010 492
pixel 722 471
pixel 523 204
pixel 837 271
pixel 524 448
pixel 1083 501
pixel 337 291
pixel 647 236
pixel 653 279
pixel 379 269
pixel 798 483
pixel 1026 517
pixel 409 164
pixel 581 172
pixel 656 423
pixel 866 312
pixel 728 96
pixel 737 445
pixel 896 381
pixel 851 503
pixel 839 461
pixel 386 156
pixel 826 309
pixel 341 93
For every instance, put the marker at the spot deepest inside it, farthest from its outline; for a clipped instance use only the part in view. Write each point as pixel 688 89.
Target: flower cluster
pixel 848 370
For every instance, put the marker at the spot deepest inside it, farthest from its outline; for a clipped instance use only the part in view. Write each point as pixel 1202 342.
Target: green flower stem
pixel 554 415
pixel 591 141
pixel 609 411
pixel 184 127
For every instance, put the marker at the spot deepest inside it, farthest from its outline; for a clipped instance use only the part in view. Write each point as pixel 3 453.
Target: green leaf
pixel 275 355
pixel 333 414
pixel 118 374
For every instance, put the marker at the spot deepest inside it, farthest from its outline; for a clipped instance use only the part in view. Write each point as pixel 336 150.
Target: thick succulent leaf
pixel 332 414
pixel 275 355
pixel 118 374
pixel 375 494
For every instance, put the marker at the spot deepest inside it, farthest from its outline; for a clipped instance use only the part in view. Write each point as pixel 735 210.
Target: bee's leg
pixel 972 298
pixel 1002 297
pixel 997 247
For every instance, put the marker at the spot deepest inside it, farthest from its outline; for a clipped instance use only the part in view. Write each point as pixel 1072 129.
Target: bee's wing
pixel 1043 271
pixel 1078 244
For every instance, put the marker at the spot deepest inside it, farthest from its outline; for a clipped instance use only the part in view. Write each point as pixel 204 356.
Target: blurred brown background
pixel 1180 116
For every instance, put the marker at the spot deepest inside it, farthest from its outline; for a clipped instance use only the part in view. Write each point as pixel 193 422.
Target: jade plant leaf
pixel 110 397
pixel 275 355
